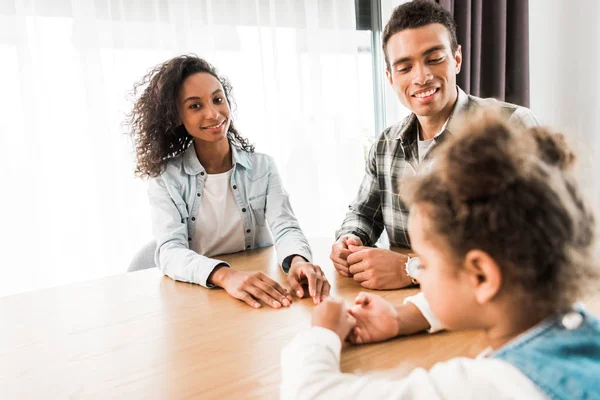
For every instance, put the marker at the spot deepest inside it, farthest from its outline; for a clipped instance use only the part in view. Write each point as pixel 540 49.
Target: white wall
pixel 565 86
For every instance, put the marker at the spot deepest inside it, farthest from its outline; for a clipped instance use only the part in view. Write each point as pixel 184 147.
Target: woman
pixel 506 246
pixel 210 192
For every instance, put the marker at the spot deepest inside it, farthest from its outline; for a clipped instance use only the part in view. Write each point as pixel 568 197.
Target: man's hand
pixel 333 315
pixel 251 287
pixel 377 268
pixel 378 320
pixel 340 253
pixel 303 274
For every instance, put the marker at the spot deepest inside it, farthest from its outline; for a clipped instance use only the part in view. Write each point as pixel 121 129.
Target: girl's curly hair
pixel 512 194
pixel 153 120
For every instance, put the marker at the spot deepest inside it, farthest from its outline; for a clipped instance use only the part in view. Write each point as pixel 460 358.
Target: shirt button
pixel 572 320
pixel 193 218
pixel 198 194
pixel 243 210
pixel 202 173
pixel 247 247
pixel 247 230
pixel 234 186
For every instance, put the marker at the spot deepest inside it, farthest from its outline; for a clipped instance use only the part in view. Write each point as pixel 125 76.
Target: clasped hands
pixel 372 267
pixel 371 319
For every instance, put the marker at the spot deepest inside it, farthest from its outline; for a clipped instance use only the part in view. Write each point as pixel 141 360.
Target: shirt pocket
pixel 257 205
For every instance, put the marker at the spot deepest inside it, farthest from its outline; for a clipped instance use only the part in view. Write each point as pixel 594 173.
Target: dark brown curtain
pixel 494 35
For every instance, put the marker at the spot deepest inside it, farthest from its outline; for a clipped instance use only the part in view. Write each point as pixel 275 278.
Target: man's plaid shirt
pixel 393 160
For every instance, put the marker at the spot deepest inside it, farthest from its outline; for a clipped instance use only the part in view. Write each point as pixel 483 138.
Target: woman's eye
pixel 194 106
pixel 218 100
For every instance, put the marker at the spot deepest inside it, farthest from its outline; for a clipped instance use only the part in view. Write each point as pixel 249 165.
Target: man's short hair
pixel 416 14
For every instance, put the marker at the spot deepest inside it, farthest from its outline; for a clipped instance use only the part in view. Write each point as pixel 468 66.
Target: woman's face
pixel 203 108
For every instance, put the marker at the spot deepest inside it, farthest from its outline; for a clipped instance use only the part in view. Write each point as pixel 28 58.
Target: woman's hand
pixel 251 287
pixel 333 315
pixel 303 274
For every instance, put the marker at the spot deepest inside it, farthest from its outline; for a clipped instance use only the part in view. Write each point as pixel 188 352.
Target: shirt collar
pixel 462 103
pixel 192 166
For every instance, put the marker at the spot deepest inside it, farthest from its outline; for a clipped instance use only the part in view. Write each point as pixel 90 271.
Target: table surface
pixel 143 335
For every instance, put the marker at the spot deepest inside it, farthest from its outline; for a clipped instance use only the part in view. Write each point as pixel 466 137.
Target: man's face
pixel 423 68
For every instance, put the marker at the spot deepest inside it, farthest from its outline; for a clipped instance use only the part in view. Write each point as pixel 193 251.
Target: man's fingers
pixel 368 284
pixel 356 257
pixel 354 241
pixel 361 277
pixel 358 268
pixel 353 249
pixel 340 256
pixel 342 270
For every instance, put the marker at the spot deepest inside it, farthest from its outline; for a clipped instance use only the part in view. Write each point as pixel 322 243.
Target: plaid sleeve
pixel 523 118
pixel 365 218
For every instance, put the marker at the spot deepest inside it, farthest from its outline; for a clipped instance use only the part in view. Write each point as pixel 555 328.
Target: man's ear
pixel 483 274
pixel 388 75
pixel 458 58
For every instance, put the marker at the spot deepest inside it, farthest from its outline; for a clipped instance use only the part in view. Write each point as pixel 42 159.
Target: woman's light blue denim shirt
pixel 175 201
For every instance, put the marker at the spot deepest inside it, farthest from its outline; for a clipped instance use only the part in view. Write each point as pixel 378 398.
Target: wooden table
pixel 142 336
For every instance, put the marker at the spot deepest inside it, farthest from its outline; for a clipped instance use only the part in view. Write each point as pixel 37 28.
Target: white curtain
pixel 71 208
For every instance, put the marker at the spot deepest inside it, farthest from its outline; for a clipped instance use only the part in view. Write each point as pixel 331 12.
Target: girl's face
pixel 444 282
pixel 203 108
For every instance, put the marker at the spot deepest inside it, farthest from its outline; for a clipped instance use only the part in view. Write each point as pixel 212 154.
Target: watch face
pixel 412 267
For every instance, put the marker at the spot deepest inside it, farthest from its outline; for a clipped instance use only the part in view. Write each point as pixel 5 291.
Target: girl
pixel 505 243
pixel 210 193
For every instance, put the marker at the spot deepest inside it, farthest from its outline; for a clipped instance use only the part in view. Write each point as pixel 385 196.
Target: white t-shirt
pixel 219 226
pixel 424 145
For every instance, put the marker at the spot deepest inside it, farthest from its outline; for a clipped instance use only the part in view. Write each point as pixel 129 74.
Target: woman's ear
pixel 484 275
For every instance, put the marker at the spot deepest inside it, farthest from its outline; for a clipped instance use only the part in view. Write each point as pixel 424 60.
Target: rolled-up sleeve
pixel 169 225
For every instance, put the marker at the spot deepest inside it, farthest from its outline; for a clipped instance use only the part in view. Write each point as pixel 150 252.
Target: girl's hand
pixel 376 319
pixel 333 315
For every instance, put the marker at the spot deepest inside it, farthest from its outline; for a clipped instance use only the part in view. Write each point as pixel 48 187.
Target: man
pixel 422 60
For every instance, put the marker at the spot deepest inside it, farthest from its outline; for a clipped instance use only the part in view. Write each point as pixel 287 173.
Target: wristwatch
pixel 412 269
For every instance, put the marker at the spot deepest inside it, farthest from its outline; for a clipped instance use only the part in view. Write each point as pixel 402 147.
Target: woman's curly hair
pixel 155 130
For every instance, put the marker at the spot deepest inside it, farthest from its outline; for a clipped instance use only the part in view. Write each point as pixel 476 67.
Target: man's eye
pixel 403 70
pixel 436 60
